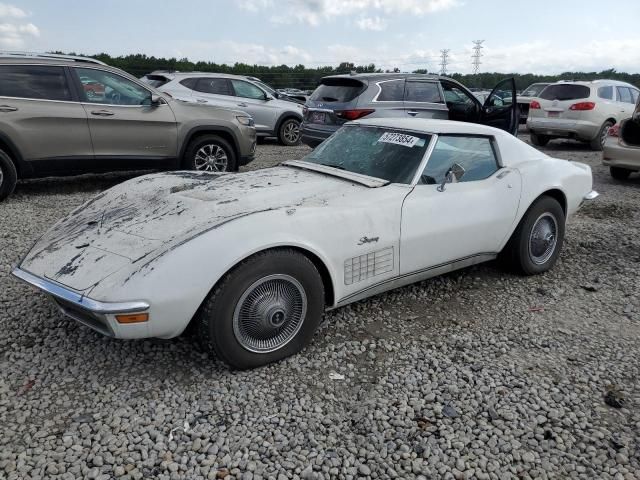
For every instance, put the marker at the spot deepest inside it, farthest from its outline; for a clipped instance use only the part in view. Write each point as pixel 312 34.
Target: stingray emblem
pixel 365 240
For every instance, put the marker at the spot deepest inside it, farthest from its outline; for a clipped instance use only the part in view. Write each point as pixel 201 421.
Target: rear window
pixel 34 81
pixel 155 80
pixel 339 90
pixel 565 92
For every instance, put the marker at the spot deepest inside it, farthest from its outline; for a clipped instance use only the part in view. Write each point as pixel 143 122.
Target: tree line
pixel 306 78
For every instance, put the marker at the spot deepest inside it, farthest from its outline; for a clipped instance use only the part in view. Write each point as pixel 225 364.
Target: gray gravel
pixel 479 374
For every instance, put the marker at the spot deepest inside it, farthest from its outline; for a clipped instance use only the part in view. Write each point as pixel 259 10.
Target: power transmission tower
pixel 477 53
pixel 444 60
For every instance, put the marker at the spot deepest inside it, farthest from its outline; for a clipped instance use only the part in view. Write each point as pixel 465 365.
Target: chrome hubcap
pixel 603 137
pixel 291 132
pixel 211 158
pixel 269 313
pixel 543 238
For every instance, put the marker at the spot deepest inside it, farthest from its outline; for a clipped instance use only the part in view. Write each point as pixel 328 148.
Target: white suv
pixel 580 110
pixel 274 115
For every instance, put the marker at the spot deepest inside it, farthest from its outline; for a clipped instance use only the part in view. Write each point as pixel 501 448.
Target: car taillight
pixel 534 105
pixel 354 114
pixel 583 106
pixel 614 131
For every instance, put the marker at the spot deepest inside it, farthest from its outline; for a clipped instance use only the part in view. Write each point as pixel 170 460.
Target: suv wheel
pixel 289 132
pixel 597 143
pixel 210 153
pixel 8 176
pixel 539 140
pixel 619 173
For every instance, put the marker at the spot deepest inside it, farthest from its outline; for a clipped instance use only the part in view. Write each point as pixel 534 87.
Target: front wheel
pixel 8 176
pixel 264 310
pixel 619 173
pixel 535 245
pixel 210 153
pixel 289 132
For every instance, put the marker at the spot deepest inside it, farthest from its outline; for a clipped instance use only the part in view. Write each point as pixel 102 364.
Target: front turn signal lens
pixel 133 318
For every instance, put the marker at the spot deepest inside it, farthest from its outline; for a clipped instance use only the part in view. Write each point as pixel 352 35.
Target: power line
pixel 477 53
pixel 444 60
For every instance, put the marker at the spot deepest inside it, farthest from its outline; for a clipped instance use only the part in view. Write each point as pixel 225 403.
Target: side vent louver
pixel 360 268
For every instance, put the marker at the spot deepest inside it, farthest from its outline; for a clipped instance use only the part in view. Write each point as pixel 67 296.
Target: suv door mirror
pixel 156 100
pixel 453 175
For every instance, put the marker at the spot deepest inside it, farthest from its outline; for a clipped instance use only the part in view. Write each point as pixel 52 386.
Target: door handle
pixel 413 113
pixel 242 105
pixel 201 100
pixel 8 108
pixel 102 113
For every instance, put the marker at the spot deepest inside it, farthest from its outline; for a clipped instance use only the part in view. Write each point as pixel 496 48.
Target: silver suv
pixel 276 115
pixel 62 115
pixel 341 98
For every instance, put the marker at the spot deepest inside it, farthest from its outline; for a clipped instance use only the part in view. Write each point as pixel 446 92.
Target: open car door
pixel 500 109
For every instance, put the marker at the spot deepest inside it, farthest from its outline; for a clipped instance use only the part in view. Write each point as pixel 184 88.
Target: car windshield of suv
pixel 385 153
pixel 265 87
pixel 534 90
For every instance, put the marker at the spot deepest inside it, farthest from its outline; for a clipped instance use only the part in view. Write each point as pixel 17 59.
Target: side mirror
pixel 156 100
pixel 453 175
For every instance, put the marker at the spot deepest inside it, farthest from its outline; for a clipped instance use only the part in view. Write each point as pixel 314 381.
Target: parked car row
pixel 580 110
pixel 62 115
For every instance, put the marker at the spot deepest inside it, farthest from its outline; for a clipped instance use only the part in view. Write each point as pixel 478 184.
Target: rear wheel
pixel 535 245
pixel 597 143
pixel 619 173
pixel 264 310
pixel 289 132
pixel 210 153
pixel 539 140
pixel 8 176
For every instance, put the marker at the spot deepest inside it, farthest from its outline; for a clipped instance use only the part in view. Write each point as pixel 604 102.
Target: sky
pixel 536 36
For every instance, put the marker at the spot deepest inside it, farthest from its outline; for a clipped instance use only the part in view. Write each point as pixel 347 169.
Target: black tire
pixel 597 143
pixel 216 322
pixel 519 253
pixel 539 140
pixel 619 173
pixel 215 142
pixel 289 132
pixel 8 176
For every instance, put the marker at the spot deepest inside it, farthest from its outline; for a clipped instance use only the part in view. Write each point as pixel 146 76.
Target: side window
pixel 422 92
pixel 634 94
pixel 606 92
pixel 246 90
pixel 474 154
pixel 455 95
pixel 391 91
pixel 99 86
pixel 190 83
pixel 624 95
pixel 216 86
pixel 34 81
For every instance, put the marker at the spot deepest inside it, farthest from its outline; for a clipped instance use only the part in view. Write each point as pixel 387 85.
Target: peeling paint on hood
pixel 139 220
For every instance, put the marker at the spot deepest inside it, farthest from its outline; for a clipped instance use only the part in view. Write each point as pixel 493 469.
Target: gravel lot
pixel 479 374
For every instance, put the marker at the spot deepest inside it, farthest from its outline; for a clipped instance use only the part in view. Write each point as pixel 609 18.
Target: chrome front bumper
pixel 89 312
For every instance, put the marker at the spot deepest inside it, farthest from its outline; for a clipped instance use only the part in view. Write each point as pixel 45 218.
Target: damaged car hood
pixel 138 220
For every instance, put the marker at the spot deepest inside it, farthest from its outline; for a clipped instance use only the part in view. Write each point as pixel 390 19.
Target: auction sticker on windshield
pixel 399 139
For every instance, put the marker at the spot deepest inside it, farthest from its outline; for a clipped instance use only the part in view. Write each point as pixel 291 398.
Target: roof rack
pixel 75 58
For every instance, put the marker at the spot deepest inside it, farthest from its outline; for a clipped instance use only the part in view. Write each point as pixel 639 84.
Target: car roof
pixel 11 57
pixel 390 76
pixel 594 83
pixel 172 75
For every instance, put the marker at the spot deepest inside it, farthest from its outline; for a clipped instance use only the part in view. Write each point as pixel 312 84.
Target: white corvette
pixel 254 258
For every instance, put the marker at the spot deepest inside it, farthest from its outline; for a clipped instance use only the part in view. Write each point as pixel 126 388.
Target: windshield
pixel 384 153
pixel 266 87
pixel 534 90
